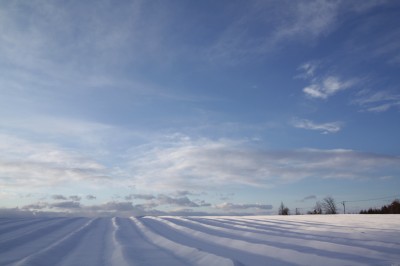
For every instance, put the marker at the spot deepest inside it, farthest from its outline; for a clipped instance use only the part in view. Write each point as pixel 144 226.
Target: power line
pixel 345 201
pixel 388 197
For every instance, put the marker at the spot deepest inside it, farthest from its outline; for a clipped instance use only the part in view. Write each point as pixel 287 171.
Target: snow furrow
pixel 302 245
pixel 193 256
pixel 131 248
pixel 54 253
pixel 348 238
pixel 206 240
pixel 285 254
pixel 239 257
pixel 91 249
pixel 117 257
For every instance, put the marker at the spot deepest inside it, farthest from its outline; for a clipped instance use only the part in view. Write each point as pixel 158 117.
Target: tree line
pixel 326 206
pixel 393 208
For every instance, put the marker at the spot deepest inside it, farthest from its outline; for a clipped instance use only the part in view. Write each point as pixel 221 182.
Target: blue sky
pixel 190 107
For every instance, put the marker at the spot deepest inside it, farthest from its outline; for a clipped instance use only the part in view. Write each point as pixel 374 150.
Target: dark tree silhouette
pixel 317 208
pixel 283 210
pixel 393 208
pixel 329 205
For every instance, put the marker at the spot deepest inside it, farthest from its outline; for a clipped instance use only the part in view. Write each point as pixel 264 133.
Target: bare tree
pixel 317 208
pixel 329 205
pixel 283 210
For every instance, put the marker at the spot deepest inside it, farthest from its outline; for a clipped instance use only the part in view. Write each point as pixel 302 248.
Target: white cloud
pixel 25 163
pixel 327 87
pixel 205 164
pixel 325 128
pixel 321 88
pixel 381 108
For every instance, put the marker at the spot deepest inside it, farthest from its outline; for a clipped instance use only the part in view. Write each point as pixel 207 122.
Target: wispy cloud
pixel 279 24
pixel 181 201
pixel 26 163
pixel 90 197
pixel 308 70
pixel 309 19
pixel 72 208
pixel 303 21
pixel 75 198
pixel 58 197
pixel 66 205
pixel 188 164
pixel 311 197
pixel 53 51
pixel 140 196
pixel 377 102
pixel 232 206
pixel 162 199
pixel 61 32
pixel 321 87
pixel 111 208
pixel 326 87
pixel 36 206
pixel 180 163
pixel 325 128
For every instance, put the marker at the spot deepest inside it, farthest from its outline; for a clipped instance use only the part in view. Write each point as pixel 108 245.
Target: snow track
pixel 268 240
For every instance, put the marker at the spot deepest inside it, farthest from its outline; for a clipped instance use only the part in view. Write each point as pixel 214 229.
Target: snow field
pixel 223 240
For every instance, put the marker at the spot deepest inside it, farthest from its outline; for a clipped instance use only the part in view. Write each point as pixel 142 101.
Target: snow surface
pixel 222 240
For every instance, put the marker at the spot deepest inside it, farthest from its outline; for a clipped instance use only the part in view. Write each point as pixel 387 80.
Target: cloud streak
pixel 311 197
pixel 34 164
pixel 204 163
pixel 325 128
pixel 234 207
pixel 377 102
pixel 303 21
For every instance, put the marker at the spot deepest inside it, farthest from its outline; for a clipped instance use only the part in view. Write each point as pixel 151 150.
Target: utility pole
pixel 344 207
